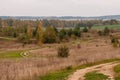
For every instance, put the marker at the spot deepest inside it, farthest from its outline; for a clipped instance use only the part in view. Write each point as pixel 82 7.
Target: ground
pixel 106 69
pixel 40 60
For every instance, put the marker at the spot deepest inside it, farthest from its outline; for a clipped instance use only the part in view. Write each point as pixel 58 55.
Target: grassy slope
pixel 117 71
pixel 63 74
pixel 95 76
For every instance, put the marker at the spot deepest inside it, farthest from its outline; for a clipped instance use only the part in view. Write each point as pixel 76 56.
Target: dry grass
pixel 44 60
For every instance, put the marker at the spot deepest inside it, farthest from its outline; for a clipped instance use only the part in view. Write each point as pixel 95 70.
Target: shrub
pixel 117 72
pixel 69 67
pixel 63 51
pixel 100 33
pixel 85 29
pixel 115 42
pixel 76 31
pixel 106 31
pixel 62 34
pixel 24 39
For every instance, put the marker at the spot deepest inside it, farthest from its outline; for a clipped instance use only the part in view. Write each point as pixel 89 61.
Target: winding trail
pixel 106 69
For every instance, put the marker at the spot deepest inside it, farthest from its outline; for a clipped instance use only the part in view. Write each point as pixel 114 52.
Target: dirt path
pixel 24 54
pixel 106 69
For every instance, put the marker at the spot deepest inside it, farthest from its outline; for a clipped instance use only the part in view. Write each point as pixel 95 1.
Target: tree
pixel 76 31
pixel 113 21
pixel 100 33
pixel 69 32
pixel 24 39
pixel 29 32
pixel 49 35
pixel 85 29
pixel 89 25
pixel 56 30
pixel 39 34
pixel 62 34
pixel 106 31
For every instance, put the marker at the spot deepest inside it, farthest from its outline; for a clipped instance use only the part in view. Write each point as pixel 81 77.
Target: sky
pixel 59 7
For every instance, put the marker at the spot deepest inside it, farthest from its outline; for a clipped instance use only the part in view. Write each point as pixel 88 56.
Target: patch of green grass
pixel 117 78
pixel 7 39
pixel 10 54
pixel 109 26
pixel 95 76
pixel 117 68
pixel 63 74
pixel 117 72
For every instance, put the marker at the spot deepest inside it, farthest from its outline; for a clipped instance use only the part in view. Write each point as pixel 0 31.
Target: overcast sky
pixel 59 7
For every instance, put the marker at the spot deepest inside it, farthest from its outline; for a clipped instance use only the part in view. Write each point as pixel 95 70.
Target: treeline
pixel 55 23
pixel 12 27
pixel 48 31
pixel 49 34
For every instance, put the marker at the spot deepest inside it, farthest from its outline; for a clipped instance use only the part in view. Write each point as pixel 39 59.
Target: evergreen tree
pixel 62 34
pixel 49 35
pixel 76 31
pixel 106 31
pixel 85 29
pixel 69 32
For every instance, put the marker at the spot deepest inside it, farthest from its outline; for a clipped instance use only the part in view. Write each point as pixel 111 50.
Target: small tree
pixel 115 42
pixel 76 31
pixel 100 33
pixel 56 30
pixel 63 51
pixel 69 32
pixel 106 31
pixel 39 34
pixel 24 39
pixel 49 35
pixel 62 34
pixel 85 29
pixel 29 32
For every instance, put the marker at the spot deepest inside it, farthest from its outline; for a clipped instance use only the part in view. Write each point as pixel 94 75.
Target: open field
pixel 44 60
pixel 109 26
pixel 34 62
pixel 59 39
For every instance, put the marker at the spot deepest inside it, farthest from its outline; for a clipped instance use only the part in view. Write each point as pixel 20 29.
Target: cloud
pixel 59 7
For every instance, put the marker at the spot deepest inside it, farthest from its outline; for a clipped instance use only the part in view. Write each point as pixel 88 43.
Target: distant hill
pixel 117 17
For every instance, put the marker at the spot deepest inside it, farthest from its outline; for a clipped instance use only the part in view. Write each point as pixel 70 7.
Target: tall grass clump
pixel 63 51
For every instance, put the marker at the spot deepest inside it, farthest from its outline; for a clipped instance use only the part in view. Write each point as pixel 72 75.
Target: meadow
pixel 34 62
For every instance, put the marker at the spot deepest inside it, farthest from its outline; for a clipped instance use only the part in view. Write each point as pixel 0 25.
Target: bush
pixel 76 31
pixel 115 42
pixel 24 39
pixel 85 29
pixel 69 67
pixel 106 31
pixel 117 72
pixel 63 51
pixel 100 33
pixel 62 34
